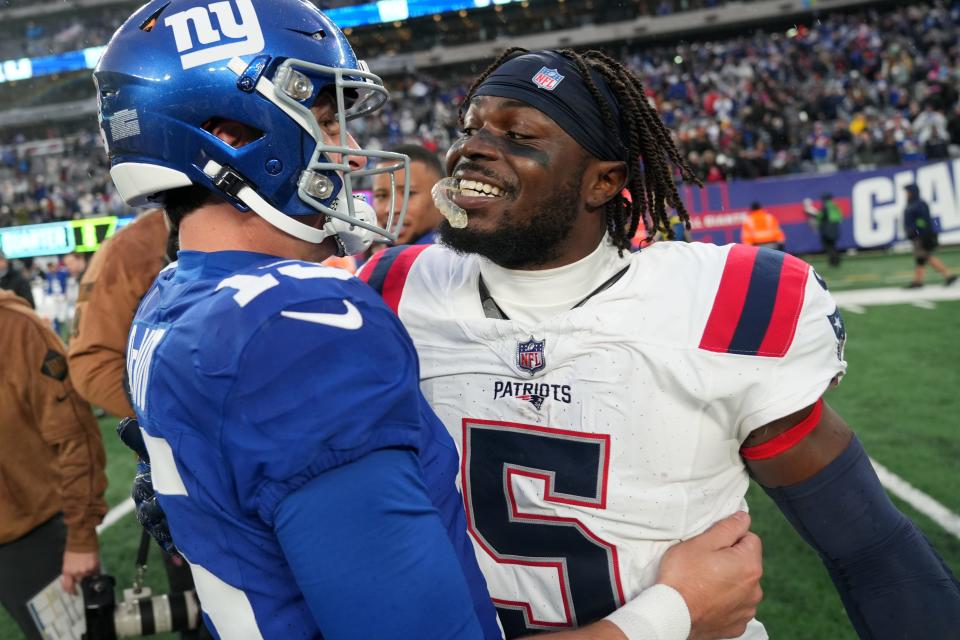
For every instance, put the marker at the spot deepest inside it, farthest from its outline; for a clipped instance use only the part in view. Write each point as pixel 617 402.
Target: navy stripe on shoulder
pixel 758 306
pixel 382 268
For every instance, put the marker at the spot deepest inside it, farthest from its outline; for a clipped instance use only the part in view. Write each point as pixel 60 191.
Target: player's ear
pixel 605 179
pixel 235 134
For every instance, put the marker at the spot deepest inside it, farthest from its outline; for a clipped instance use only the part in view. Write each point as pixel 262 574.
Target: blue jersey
pixel 251 376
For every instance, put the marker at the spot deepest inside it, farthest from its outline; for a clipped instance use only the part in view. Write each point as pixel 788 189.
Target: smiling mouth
pixel 453 196
pixel 476 188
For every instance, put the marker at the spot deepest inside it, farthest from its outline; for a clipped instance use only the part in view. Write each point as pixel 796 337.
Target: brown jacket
pixel 119 275
pixel 51 454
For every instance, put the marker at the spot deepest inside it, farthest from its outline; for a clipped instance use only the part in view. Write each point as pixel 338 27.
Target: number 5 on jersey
pixel 514 478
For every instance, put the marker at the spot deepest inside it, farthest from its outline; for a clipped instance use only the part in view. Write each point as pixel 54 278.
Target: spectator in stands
pixel 423 217
pixel 953 125
pixel 52 464
pixel 936 147
pixel 762 229
pixel 12 280
pixel 922 230
pixel 929 123
pixel 851 90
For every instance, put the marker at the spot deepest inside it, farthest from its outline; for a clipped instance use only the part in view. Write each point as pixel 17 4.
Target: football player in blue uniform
pixel 303 476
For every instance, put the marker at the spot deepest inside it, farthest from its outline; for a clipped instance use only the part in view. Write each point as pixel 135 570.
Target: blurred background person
pixel 52 464
pixel 827 220
pixel 12 280
pixel 762 229
pixel 111 288
pixel 423 217
pixel 919 226
pixel 76 264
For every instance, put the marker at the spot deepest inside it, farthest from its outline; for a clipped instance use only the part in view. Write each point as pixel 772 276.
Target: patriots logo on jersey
pixel 820 280
pixel 534 399
pixel 530 356
pixel 836 321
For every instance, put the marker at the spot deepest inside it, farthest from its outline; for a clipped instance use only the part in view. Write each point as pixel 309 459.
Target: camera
pixel 139 614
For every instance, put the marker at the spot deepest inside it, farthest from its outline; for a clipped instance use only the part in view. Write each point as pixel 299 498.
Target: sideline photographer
pixel 51 466
pixel 117 278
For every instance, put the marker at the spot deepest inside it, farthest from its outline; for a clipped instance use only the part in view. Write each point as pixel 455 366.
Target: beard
pixel 522 244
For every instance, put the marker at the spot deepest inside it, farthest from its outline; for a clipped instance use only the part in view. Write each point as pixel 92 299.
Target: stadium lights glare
pixel 382 12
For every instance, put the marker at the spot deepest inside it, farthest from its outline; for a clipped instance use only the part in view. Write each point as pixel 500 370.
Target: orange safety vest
pixel 761 227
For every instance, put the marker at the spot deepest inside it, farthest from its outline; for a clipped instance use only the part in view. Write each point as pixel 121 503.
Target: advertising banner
pixel 56 238
pixel 872 203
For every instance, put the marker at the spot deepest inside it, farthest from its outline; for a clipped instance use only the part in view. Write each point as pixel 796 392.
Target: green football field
pixel 881 269
pixel 901 394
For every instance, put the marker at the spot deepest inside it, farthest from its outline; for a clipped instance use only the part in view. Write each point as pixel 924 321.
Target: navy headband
pixel 550 82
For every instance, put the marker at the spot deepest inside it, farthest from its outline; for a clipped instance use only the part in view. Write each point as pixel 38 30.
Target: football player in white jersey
pixel 249 507
pixel 607 405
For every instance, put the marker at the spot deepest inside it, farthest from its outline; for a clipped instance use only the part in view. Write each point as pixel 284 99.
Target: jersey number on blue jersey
pixel 500 460
pixel 142 344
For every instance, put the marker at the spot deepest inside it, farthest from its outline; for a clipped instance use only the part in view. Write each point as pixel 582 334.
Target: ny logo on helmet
pixel 247 34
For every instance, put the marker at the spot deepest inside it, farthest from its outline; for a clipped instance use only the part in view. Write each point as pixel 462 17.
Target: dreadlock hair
pixel 652 154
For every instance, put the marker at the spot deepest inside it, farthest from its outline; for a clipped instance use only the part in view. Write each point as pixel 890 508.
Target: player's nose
pixel 479 146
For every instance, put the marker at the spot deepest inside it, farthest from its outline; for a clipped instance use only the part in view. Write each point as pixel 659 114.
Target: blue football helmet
pixel 176 66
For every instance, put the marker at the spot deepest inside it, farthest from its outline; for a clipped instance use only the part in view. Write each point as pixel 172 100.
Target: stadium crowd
pixel 870 88
pixel 84 27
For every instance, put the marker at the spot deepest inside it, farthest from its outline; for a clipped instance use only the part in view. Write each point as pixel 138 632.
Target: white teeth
pixel 476 188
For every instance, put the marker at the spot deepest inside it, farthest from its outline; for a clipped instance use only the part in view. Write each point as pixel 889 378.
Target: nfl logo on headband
pixel 547 79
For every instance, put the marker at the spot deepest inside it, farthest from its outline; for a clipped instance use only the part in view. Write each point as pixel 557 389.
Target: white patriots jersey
pixel 593 441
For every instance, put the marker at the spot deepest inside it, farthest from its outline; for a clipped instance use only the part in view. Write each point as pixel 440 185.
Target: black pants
pixel 833 255
pixel 29 564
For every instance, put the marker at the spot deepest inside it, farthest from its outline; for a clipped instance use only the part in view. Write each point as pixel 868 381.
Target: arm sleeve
pixel 813 361
pixel 891 580
pixel 371 556
pixel 68 426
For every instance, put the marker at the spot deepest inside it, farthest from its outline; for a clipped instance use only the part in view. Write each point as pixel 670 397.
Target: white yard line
pixel 918 499
pixel 926 297
pixel 115 514
pixel 856 299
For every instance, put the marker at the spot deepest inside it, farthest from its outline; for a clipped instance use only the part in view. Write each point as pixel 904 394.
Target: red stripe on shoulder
pixel 728 303
pixel 786 308
pixel 369 267
pixel 397 276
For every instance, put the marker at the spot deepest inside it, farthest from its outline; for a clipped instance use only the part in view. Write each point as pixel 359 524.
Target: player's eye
pixel 466 132
pixel 516 135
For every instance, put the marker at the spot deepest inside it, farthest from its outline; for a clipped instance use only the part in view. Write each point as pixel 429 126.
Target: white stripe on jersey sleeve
pixel 228 608
pixel 166 478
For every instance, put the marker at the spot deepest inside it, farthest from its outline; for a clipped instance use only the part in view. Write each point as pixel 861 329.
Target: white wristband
pixel 658 613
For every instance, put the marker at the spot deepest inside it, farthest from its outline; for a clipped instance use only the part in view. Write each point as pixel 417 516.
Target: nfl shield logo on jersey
pixel 547 79
pixel 530 356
